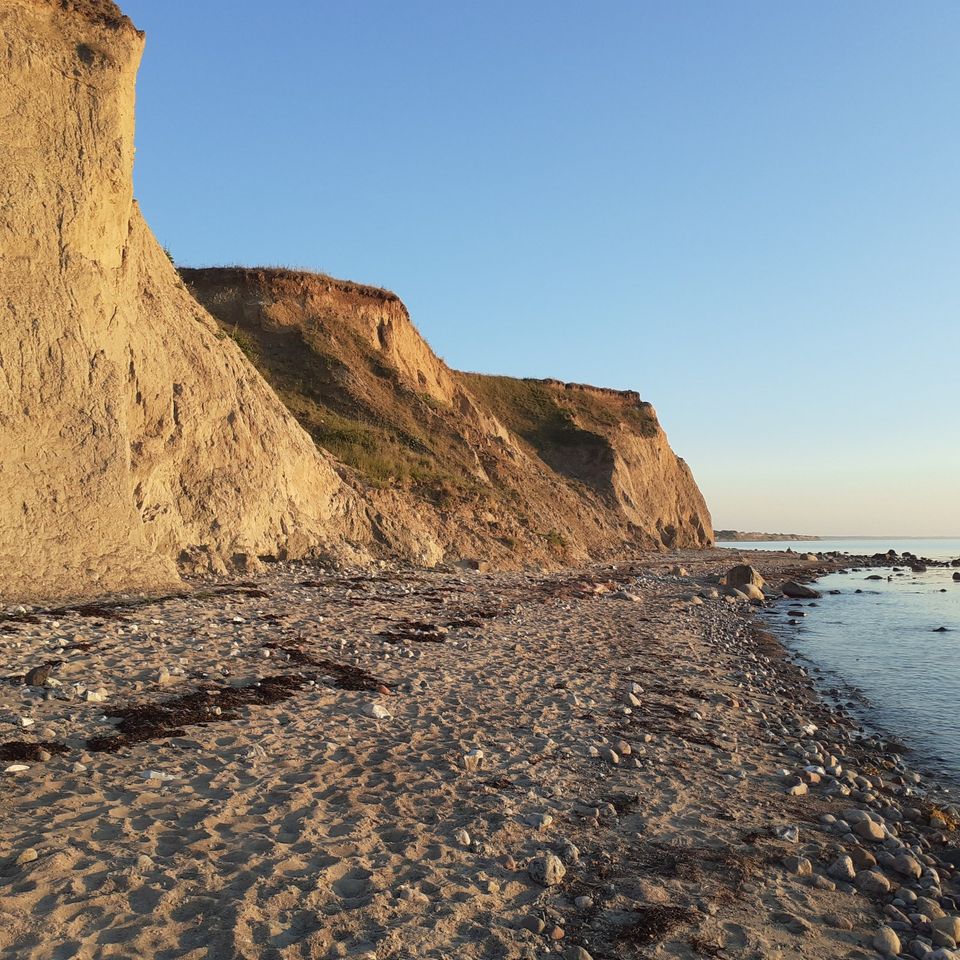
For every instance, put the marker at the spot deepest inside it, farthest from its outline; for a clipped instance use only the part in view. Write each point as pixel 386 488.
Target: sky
pixel 748 212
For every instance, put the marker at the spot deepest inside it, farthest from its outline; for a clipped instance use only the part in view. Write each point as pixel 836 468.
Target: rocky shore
pixel 610 762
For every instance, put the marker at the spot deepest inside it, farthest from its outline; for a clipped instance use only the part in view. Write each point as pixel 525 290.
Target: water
pixel 883 641
pixel 934 548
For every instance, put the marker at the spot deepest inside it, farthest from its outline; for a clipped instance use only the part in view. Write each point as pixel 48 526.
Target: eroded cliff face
pixel 133 435
pixel 462 464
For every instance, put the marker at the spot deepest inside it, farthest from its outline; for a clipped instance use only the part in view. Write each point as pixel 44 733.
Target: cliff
pixel 514 470
pixel 133 434
pixel 140 437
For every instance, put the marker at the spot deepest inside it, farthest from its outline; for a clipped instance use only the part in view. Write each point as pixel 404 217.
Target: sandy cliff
pixel 466 464
pixel 132 433
pixel 138 440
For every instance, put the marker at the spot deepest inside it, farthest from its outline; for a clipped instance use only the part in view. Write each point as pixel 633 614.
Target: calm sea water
pixel 936 548
pixel 883 641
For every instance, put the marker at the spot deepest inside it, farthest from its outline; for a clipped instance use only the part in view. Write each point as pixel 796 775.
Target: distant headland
pixel 753 537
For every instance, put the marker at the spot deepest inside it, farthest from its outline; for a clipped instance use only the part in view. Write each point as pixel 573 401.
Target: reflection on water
pixel 884 641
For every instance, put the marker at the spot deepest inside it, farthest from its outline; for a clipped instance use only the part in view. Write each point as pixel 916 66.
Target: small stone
pixel 576 953
pixel 28 855
pixel 557 933
pixel 873 883
pixel 533 924
pixel 907 866
pixel 462 838
pixel 583 903
pixel 610 756
pixel 144 862
pixel 473 760
pixel 886 942
pixel 948 925
pixel 800 866
pixel 798 790
pixel 376 710
pixel 546 869
pixel 568 852
pixel 869 830
pixel 842 869
pixel 539 821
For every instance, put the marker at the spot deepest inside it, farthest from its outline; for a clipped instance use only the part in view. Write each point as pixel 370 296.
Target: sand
pixel 312 820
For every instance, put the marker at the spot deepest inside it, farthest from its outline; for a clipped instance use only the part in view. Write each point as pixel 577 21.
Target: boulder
pixel 797 591
pixel 743 574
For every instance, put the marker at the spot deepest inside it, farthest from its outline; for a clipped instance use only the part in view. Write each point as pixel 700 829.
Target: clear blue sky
pixel 747 211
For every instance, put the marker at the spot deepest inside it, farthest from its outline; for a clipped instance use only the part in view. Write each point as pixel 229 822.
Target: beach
pixel 599 762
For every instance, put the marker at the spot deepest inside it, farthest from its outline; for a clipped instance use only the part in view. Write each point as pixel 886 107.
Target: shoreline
pixel 302 821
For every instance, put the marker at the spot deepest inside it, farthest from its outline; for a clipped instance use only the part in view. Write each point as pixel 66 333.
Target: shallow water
pixel 934 548
pixel 883 641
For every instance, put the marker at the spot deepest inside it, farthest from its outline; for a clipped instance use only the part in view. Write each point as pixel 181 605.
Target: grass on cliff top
pixel 357 408
pixel 544 413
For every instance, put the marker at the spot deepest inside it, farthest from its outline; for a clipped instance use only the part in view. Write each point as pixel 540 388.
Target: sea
pixel 883 646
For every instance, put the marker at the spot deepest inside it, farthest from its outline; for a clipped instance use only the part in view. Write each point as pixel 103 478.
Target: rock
pixel 27 856
pixel 376 710
pixel 576 953
pixel 907 866
pixel 742 575
pixel 753 593
pixel 156 775
pixel 462 838
pixel 800 866
pixel 144 863
pixel 798 591
pixel 546 869
pixel 539 821
pixel 842 869
pixel 862 859
pixel 95 696
pixel 473 760
pixel 583 903
pixel 680 572
pixel 886 942
pixel 631 699
pixel 869 830
pixel 534 924
pixel 16 768
pixel 798 790
pixel 38 676
pixel 609 755
pixel 948 925
pixel 873 883
pixel 929 908
pixel 568 852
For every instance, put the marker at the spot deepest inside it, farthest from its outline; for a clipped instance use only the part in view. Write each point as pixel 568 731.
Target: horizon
pixel 747 215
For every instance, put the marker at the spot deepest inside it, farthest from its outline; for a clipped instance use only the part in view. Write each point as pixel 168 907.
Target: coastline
pixel 606 724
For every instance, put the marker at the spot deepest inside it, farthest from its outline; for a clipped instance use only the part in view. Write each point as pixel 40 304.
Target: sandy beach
pixel 588 763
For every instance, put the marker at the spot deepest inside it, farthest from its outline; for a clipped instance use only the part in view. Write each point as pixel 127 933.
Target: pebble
pixel 546 869
pixel 473 760
pixel 842 869
pixel 533 924
pixel 376 710
pixel 28 856
pixel 886 942
pixel 873 883
pixel 576 953
pixel 462 838
pixel 801 866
